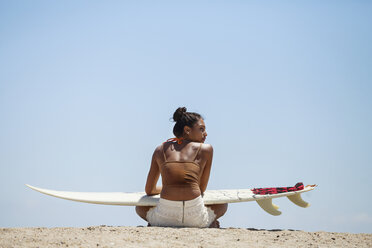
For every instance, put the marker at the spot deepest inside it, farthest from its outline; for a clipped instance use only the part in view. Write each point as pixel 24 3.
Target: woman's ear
pixel 186 129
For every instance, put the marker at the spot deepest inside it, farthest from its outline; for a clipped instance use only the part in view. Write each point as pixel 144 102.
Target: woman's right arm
pixel 207 168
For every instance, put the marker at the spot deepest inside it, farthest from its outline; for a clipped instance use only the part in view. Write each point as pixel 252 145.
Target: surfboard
pixel 209 197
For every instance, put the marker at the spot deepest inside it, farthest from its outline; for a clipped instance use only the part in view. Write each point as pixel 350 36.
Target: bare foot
pixel 215 224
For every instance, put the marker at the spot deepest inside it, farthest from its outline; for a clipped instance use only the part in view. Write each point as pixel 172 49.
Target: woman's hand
pixel 155 191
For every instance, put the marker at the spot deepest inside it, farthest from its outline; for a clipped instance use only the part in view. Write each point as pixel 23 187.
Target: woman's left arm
pixel 153 177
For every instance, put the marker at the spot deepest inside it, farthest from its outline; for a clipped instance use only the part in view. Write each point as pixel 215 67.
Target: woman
pixel 184 163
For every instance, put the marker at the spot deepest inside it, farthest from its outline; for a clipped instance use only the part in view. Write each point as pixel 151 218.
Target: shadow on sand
pixel 271 230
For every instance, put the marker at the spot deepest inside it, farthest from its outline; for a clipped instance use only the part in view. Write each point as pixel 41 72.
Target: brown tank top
pixel 181 174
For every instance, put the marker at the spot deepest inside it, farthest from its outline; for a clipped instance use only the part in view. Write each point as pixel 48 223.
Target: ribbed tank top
pixel 181 173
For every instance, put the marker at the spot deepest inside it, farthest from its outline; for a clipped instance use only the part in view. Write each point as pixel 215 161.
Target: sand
pixel 108 236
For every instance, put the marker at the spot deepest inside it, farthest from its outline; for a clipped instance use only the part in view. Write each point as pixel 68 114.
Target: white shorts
pixel 190 213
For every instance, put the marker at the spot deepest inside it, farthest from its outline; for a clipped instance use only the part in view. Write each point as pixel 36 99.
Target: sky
pixel 88 89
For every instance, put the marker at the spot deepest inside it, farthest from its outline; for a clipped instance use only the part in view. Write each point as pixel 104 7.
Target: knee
pixel 140 210
pixel 223 208
pixel 219 209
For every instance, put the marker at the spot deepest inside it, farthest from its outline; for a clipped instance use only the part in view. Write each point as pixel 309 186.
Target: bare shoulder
pixel 207 148
pixel 158 150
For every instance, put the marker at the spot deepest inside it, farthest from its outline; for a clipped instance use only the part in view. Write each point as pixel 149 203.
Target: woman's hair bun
pixel 182 119
pixel 179 113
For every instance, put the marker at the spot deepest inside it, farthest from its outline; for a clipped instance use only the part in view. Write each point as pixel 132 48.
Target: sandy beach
pixel 108 236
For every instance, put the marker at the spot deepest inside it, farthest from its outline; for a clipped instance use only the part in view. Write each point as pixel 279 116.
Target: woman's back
pixel 181 171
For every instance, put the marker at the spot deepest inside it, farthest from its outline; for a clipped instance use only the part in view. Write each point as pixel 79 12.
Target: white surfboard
pixel 209 197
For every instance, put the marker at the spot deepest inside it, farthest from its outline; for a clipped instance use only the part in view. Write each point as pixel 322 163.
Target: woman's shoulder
pixel 208 148
pixel 159 148
pixel 205 148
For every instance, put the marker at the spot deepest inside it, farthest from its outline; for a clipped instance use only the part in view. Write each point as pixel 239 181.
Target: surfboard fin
pixel 269 207
pixel 297 199
pixel 275 206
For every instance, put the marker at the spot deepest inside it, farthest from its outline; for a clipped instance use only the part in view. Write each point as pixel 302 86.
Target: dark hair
pixel 182 119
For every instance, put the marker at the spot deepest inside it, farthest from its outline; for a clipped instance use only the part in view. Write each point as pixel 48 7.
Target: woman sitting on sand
pixel 184 163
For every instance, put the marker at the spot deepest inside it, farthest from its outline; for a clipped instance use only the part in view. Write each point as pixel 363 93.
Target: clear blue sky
pixel 87 89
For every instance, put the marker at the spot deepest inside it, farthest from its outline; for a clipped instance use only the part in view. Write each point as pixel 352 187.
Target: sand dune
pixel 106 236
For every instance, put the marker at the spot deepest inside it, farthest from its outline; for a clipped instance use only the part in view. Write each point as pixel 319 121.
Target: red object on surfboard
pixel 269 191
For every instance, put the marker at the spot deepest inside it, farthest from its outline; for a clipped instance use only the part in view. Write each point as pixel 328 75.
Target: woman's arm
pixel 153 176
pixel 207 169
